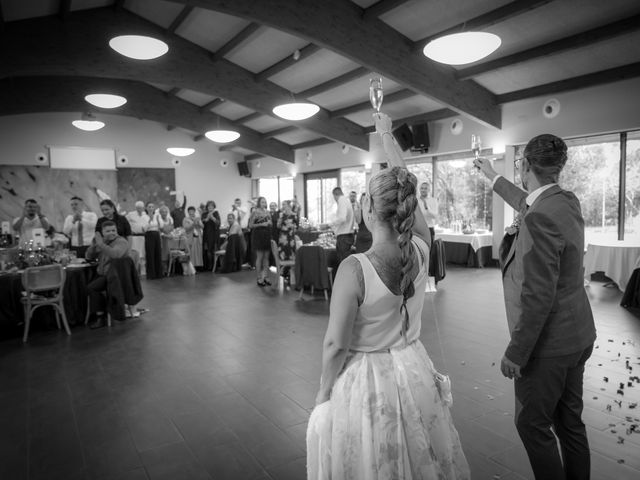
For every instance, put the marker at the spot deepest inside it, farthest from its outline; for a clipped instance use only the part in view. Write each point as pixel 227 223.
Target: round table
pixel 616 259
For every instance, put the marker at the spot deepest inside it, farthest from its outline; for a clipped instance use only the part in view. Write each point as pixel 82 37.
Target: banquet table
pixel 308 267
pixel 616 259
pixel 75 298
pixel 472 250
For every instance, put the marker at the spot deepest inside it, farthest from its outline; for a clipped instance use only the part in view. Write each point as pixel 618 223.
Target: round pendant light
pixel 88 123
pixel 296 110
pixel 222 136
pixel 462 48
pixel 180 151
pixel 105 100
pixel 139 47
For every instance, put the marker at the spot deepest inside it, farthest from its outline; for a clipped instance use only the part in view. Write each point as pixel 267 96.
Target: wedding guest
pixel 342 224
pixel 153 244
pixel 287 226
pixel 242 216
pixel 165 225
pixel 79 227
pixel 107 245
pixel 110 214
pixel 233 246
pixel 275 214
pixel 31 219
pixel 363 236
pixel 193 228
pixel 211 234
pixel 177 214
pixel 379 411
pixel 355 205
pixel 139 222
pixel 260 225
pixel 550 321
pixel 428 207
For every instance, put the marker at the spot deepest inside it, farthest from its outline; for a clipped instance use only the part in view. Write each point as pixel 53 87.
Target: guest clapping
pixel 30 219
pixel 80 227
pixel 153 244
pixel 211 233
pixel 193 228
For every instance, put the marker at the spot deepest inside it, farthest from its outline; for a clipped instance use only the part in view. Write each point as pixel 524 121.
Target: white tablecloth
pixel 476 240
pixel 616 259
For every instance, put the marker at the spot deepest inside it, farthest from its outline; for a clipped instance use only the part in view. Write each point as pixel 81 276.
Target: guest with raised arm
pixel 31 219
pixel 79 227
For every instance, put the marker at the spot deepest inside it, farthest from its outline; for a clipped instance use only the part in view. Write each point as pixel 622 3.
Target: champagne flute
pixel 375 93
pixel 476 147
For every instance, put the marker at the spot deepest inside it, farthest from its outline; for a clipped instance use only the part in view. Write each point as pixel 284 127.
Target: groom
pixel 548 312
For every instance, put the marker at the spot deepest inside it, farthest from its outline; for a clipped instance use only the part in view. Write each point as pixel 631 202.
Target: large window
pixel 463 194
pixel 353 180
pixel 632 190
pixel 319 202
pixel 276 189
pixel 423 172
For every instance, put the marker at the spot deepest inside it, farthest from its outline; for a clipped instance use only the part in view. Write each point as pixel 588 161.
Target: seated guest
pixel 193 227
pixel 234 246
pixel 111 214
pixel 31 219
pixel 139 222
pixel 153 245
pixel 107 245
pixel 80 227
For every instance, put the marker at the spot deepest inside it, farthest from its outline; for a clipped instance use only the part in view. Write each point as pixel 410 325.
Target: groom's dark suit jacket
pixel 547 307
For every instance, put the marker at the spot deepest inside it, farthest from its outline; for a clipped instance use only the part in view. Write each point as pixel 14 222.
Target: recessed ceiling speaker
pixel 551 108
pixel 41 158
pixel 176 162
pixel 456 126
pixel 224 163
pixel 123 160
pixel 345 149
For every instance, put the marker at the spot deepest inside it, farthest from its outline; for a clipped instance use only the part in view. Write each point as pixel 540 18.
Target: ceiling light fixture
pixel 462 48
pixel 181 151
pixel 105 100
pixel 88 123
pixel 222 136
pixel 139 47
pixel 296 110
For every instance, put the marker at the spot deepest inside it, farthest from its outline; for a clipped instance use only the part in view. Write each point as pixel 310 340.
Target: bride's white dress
pixel 385 419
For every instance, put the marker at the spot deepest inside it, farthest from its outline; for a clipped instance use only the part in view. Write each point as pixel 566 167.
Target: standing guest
pixel 353 198
pixel 363 237
pixel 260 225
pixel 139 221
pixel 80 227
pixel 428 207
pixel 31 219
pixel 342 225
pixel 548 312
pixel 287 226
pixel 242 216
pixel 165 225
pixel 193 227
pixel 153 244
pixel 110 214
pixel 296 208
pixel 106 246
pixel 177 214
pixel 211 234
pixel 275 214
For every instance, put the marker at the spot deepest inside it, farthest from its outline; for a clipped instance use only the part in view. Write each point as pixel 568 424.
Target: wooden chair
pixel 281 265
pixel 38 281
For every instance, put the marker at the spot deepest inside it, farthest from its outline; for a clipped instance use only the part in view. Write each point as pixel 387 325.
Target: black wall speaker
pixel 421 137
pixel 403 136
pixel 243 169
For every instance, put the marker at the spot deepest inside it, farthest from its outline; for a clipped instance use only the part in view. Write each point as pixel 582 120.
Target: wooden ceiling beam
pixel 43 48
pixel 312 143
pixel 498 15
pixel 36 94
pixel 338 26
pixel 381 7
pixel 358 107
pixel 579 40
pixel 279 131
pixel 589 80
pixel 213 103
pixel 182 16
pixel 421 118
pixel 235 41
pixel 249 118
pixel 333 83
pixel 253 156
pixel 286 62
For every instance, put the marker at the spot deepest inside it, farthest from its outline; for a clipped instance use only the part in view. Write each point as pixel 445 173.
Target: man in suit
pixel 548 312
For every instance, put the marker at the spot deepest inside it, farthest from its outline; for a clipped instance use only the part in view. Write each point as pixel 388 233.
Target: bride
pixel 379 414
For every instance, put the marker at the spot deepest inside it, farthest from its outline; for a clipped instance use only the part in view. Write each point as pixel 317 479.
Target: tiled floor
pixel 217 381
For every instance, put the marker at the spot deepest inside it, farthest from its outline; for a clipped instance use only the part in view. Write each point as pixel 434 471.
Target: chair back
pixel 276 255
pixel 40 279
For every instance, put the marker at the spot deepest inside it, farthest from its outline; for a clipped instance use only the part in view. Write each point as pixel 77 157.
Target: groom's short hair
pixel 547 155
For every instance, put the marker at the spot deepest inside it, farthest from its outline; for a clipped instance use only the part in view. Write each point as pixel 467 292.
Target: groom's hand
pixel 510 369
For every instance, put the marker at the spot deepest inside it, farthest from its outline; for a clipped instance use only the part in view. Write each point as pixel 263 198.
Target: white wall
pixel 200 175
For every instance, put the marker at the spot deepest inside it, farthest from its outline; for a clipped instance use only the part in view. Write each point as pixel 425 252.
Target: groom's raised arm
pixel 514 196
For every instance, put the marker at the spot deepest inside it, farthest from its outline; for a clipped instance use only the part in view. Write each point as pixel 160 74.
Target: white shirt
pixel 71 226
pixel 241 216
pixel 139 222
pixel 153 225
pixel 431 207
pixel 343 222
pixel 26 230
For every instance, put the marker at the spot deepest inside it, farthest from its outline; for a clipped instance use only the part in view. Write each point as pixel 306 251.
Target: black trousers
pixel 343 246
pixel 153 253
pixel 97 288
pixel 549 394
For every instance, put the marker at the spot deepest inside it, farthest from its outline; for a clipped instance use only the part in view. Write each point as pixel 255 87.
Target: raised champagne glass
pixel 375 93
pixel 476 147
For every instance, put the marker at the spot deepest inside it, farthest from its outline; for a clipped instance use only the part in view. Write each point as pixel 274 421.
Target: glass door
pixel 319 202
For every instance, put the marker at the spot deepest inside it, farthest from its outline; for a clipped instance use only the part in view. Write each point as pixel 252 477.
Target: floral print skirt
pixel 385 420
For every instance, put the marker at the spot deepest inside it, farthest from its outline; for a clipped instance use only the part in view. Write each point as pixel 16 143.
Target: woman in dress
pixel 165 226
pixel 260 225
pixel 287 226
pixel 211 234
pixel 379 414
pixel 193 229
pixel 153 244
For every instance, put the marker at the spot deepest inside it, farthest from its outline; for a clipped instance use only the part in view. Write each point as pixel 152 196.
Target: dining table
pixel 77 277
pixel 469 249
pixel 616 259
